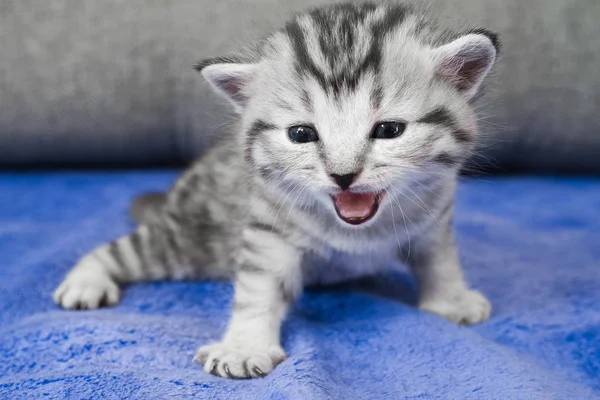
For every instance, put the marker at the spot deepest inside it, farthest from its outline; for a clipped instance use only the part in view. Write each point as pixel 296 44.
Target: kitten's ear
pixel 230 80
pixel 467 60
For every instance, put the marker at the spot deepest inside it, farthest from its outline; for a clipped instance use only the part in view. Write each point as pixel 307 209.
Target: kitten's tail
pixel 145 208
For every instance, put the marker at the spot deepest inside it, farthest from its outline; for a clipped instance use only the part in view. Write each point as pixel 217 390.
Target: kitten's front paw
pixel 469 307
pixel 85 291
pixel 239 362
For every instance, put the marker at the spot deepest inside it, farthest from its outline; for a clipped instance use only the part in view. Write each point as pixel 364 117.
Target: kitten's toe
pixel 468 307
pixel 81 292
pixel 239 362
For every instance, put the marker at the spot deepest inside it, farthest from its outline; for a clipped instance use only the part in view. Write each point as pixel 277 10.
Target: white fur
pixel 86 285
pixel 344 124
pixel 277 183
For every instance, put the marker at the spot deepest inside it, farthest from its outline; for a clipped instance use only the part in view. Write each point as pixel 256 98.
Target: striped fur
pixel 257 207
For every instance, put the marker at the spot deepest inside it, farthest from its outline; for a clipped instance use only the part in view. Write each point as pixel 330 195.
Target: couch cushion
pixel 111 81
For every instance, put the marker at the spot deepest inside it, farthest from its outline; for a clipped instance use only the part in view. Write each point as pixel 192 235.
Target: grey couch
pixel 110 81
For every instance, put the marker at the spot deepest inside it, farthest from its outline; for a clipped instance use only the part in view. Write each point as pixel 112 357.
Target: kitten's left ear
pixel 467 60
pixel 229 79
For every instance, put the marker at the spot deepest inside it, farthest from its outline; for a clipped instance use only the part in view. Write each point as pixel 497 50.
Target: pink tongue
pixel 354 205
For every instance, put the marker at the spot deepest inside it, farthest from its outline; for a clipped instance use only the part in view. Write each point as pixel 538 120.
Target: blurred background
pixel 110 83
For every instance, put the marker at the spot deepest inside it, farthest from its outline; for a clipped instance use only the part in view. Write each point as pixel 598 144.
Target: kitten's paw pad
pixel 239 362
pixel 79 292
pixel 470 307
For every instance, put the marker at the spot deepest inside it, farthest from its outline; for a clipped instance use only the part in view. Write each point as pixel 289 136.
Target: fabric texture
pixel 99 82
pixel 530 244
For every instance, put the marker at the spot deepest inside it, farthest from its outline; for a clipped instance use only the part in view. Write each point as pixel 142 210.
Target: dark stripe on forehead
pixel 377 96
pixel 257 127
pixel 347 34
pixel 336 28
pixel 304 63
pixel 394 16
pixel 306 100
pixel 441 116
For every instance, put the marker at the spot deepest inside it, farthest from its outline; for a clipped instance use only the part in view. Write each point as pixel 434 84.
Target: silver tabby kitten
pixel 354 120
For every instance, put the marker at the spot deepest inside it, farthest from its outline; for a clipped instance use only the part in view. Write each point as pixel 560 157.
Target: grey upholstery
pixel 110 81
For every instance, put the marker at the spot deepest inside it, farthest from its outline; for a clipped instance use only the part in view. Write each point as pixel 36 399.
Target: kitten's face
pixel 379 131
pixel 351 130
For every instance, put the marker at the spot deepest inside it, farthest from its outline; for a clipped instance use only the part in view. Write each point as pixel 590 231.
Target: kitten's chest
pixel 328 267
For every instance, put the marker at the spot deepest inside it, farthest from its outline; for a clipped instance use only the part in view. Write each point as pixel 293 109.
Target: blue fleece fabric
pixel 531 244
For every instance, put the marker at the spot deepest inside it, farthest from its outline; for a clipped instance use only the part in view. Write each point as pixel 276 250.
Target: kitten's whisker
pixel 282 203
pixel 262 193
pixel 396 231
pixel 426 211
pixel 418 197
pixel 404 217
pixel 255 202
pixel 420 170
pixel 429 189
pixel 292 206
pixel 435 219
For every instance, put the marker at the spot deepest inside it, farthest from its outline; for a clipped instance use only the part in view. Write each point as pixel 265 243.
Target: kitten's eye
pixel 388 130
pixel 303 134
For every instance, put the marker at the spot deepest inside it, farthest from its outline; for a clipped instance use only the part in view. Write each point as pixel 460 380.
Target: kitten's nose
pixel 344 181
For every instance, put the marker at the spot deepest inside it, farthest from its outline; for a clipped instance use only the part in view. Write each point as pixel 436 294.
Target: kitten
pixel 354 120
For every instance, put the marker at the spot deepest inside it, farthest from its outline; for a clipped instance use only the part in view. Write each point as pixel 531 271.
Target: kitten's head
pixel 348 102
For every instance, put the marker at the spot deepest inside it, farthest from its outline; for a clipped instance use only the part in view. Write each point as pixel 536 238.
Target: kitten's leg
pixel 149 253
pixel 443 290
pixel 267 281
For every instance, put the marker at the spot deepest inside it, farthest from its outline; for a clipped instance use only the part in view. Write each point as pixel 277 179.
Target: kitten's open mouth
pixel 356 208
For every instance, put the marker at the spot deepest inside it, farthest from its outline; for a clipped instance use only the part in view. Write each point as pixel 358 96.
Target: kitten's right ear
pixel 228 79
pixel 467 60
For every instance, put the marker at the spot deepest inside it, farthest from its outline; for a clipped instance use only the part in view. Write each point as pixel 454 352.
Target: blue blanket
pixel 531 244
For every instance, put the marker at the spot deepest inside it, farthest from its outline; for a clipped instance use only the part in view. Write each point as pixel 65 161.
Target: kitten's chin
pixel 356 208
